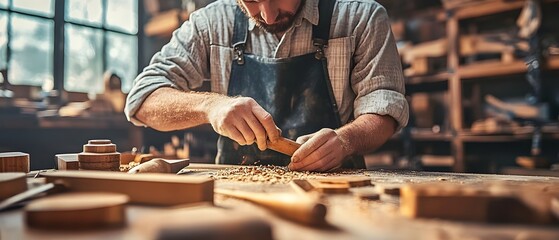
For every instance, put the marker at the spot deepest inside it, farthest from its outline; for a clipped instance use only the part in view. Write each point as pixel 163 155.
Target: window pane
pixel 122 57
pixel 122 15
pixel 3 3
pixel 43 7
pixel 85 11
pixel 3 39
pixel 32 50
pixel 84 59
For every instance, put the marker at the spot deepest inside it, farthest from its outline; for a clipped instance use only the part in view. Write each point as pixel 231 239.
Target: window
pixel 84 59
pixel 99 36
pixel 3 40
pixel 42 7
pixel 31 50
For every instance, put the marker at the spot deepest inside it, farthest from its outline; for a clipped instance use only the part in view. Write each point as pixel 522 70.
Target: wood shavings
pixel 272 174
pixel 130 165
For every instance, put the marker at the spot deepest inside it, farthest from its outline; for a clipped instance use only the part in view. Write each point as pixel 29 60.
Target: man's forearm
pixel 366 133
pixel 168 109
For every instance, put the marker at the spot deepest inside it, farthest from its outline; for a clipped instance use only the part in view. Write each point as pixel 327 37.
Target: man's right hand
pixel 243 120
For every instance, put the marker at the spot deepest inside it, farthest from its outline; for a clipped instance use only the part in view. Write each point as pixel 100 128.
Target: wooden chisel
pixel 284 145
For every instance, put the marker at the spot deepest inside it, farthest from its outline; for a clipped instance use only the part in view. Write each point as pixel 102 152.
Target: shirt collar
pixel 309 12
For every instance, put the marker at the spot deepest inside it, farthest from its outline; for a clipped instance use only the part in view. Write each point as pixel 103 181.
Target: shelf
pixel 488 8
pixel 468 136
pixel 165 23
pixel 430 136
pixel 491 69
pixel 498 68
pixel 439 77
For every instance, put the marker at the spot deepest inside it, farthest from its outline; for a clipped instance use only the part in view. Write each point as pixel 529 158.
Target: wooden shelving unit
pixel 458 73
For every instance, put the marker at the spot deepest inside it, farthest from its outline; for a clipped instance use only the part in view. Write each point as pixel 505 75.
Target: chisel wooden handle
pixel 288 206
pixel 284 145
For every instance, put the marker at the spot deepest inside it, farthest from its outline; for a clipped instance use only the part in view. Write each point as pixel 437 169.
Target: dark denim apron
pixel 296 91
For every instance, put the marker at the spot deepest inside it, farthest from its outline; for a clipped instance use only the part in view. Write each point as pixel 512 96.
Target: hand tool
pixel 288 206
pixel 160 165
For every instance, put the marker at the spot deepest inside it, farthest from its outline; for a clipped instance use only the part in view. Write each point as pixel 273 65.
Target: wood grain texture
pixel 149 188
pixel 203 221
pixel 284 145
pixel 160 165
pixel 99 148
pixel 288 206
pixel 77 211
pixel 12 184
pixel 67 161
pixel 14 162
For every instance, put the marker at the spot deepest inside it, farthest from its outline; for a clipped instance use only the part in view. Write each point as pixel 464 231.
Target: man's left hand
pixel 321 151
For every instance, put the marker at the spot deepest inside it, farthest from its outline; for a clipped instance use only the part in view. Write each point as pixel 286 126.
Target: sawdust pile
pixel 272 174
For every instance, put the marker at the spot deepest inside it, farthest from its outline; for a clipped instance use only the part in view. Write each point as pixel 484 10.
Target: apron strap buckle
pixel 239 53
pixel 320 44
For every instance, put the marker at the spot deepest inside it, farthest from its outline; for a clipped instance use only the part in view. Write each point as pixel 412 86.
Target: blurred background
pixel 481 78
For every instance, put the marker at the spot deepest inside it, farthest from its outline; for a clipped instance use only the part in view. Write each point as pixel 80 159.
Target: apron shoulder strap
pixel 240 29
pixel 321 32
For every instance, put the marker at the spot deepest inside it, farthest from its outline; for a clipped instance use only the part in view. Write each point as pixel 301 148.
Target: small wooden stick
pixel 284 145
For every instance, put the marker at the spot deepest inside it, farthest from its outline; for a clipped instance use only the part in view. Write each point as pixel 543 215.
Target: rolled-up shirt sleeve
pixel 181 64
pixel 377 77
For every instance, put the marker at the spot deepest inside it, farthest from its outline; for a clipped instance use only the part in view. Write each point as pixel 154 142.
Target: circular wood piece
pixel 100 166
pixel 14 162
pixel 99 141
pixel 12 184
pixel 99 148
pixel 99 157
pixel 77 211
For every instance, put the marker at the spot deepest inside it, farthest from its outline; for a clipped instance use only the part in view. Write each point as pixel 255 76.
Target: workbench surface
pixel 348 217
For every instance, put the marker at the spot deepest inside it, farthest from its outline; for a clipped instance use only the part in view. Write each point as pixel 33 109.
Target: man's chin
pixel 275 28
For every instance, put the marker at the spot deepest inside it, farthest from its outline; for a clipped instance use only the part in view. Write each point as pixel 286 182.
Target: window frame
pixel 59 51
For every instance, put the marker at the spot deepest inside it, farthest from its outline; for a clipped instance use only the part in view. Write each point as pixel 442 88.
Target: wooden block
pixel 100 166
pixel 99 148
pixel 203 221
pixel 149 188
pixel 329 187
pixel 12 184
pixel 142 158
pixel 352 181
pixel 285 146
pixel 67 161
pixel 77 211
pixel 127 157
pixel 14 162
pixel 510 204
pixel 366 194
pixel 99 141
pixel 160 165
pixel 99 157
pixel 394 191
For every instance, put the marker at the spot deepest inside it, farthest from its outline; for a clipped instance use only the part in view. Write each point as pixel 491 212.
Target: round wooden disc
pixel 99 157
pixel 99 148
pixel 99 141
pixel 77 211
pixel 14 162
pixel 12 184
pixel 100 166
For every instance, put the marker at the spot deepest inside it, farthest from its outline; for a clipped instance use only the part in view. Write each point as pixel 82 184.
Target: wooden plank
pixel 12 184
pixel 14 162
pixel 67 161
pixel 491 69
pixel 149 188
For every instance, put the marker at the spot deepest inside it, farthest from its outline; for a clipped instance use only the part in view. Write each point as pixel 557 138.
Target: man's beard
pixel 283 22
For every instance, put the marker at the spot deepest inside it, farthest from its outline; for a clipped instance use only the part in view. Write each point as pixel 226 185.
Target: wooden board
pixel 149 188
pixel 67 161
pixel 77 211
pixel 14 162
pixel 480 203
pixel 203 222
pixel 12 184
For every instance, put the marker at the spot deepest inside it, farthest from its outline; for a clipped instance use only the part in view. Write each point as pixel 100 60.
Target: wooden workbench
pixel 348 217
